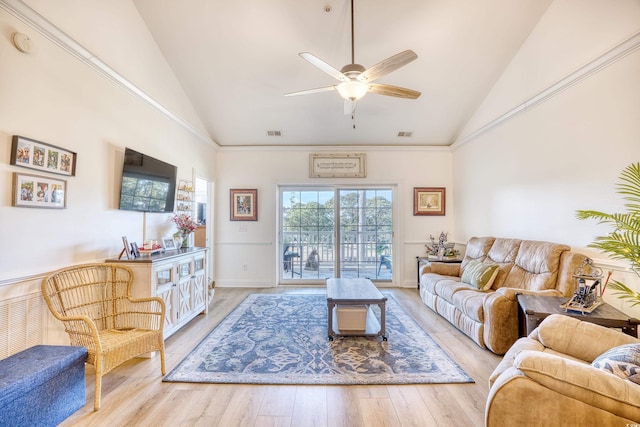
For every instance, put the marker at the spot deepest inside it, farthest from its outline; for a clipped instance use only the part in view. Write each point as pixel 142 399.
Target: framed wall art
pixel 44 157
pixel 244 205
pixel 34 191
pixel 429 201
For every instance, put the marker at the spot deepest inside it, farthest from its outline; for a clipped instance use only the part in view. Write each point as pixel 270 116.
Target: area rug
pixel 282 339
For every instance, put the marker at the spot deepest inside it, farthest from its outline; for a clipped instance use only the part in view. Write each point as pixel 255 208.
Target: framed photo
pixel 429 201
pixel 244 205
pixel 337 165
pixel 169 244
pixel 44 157
pixel 34 191
pixel 125 251
pixel 135 251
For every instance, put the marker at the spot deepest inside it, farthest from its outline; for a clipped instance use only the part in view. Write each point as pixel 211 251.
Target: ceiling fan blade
pixel 319 63
pixel 386 66
pixel 399 92
pixel 350 106
pixel 310 91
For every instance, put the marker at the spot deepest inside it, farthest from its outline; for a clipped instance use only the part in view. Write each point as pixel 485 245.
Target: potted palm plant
pixel 624 241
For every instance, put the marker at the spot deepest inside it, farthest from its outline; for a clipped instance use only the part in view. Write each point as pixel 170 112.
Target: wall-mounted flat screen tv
pixel 148 184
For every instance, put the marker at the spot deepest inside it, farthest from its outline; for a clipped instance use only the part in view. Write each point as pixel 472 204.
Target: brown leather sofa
pixel 490 317
pixel 547 379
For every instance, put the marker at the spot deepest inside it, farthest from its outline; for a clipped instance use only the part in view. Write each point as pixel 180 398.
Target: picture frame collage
pixel 40 191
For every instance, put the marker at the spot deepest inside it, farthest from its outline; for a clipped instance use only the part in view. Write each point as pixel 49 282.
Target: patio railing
pixel 360 252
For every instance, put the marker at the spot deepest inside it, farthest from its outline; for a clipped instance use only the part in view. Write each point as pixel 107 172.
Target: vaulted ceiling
pixel 236 60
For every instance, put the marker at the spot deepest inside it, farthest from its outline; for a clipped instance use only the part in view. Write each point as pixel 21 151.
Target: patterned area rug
pixel 282 339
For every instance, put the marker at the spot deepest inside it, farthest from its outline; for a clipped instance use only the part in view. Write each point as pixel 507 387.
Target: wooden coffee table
pixel 533 309
pixel 356 292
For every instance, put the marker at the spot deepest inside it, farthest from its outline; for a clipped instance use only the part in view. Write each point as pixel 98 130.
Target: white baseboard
pixel 244 284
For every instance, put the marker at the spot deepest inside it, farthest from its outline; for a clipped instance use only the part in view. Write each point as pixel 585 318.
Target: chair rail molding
pixel 609 57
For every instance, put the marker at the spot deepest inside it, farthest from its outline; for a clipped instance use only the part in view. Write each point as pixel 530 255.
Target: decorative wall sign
pixel 244 205
pixel 44 157
pixel 337 165
pixel 33 191
pixel 429 201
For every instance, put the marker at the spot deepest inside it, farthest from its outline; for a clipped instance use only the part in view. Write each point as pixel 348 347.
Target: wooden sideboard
pixel 179 277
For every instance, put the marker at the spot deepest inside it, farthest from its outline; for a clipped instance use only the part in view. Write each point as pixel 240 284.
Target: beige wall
pixel 255 243
pixel 526 176
pixel 52 96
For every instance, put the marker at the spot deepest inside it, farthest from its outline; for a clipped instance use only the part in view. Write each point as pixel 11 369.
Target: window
pixel 360 220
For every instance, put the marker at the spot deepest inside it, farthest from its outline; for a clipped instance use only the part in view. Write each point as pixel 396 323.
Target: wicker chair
pixel 94 303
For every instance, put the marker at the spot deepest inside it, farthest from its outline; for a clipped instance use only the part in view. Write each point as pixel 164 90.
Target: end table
pixel 534 308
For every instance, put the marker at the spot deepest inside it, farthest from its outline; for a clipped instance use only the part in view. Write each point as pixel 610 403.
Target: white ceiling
pixel 236 59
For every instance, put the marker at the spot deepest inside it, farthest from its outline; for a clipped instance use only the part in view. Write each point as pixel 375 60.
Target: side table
pixel 533 309
pixel 425 259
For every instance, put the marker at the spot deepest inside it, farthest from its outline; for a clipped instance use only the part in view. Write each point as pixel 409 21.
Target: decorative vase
pixel 185 241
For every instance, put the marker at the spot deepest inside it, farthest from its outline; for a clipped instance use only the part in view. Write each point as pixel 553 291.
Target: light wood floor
pixel 134 395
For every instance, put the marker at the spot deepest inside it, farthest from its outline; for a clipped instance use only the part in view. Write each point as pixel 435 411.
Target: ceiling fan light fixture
pixel 352 89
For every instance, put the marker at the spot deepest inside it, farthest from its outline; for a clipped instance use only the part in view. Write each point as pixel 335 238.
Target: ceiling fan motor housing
pixel 352 70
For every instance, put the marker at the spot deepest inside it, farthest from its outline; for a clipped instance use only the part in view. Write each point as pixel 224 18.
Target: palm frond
pixel 630 187
pixel 624 292
pixel 623 242
pixel 587 214
pixel 624 246
pixel 630 177
pixel 620 221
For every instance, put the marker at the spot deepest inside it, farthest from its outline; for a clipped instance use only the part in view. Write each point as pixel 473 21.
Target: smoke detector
pixel 21 42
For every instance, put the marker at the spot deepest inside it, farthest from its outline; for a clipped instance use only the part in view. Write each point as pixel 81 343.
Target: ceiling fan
pixel 356 81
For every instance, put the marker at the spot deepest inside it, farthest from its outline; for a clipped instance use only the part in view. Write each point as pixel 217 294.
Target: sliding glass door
pixel 335 232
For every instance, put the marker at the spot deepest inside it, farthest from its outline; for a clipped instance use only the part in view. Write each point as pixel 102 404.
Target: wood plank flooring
pixel 134 395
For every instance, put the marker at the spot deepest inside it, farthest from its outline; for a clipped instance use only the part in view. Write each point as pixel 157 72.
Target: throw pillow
pixel 480 275
pixel 623 361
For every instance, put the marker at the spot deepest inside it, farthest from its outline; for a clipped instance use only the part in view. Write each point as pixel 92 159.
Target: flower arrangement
pixel 441 248
pixel 184 223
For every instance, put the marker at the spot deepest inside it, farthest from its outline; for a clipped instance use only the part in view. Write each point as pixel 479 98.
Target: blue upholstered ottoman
pixel 42 385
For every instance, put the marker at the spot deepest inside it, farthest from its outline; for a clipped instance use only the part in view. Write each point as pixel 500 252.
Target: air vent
pixel 405 134
pixel 274 133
